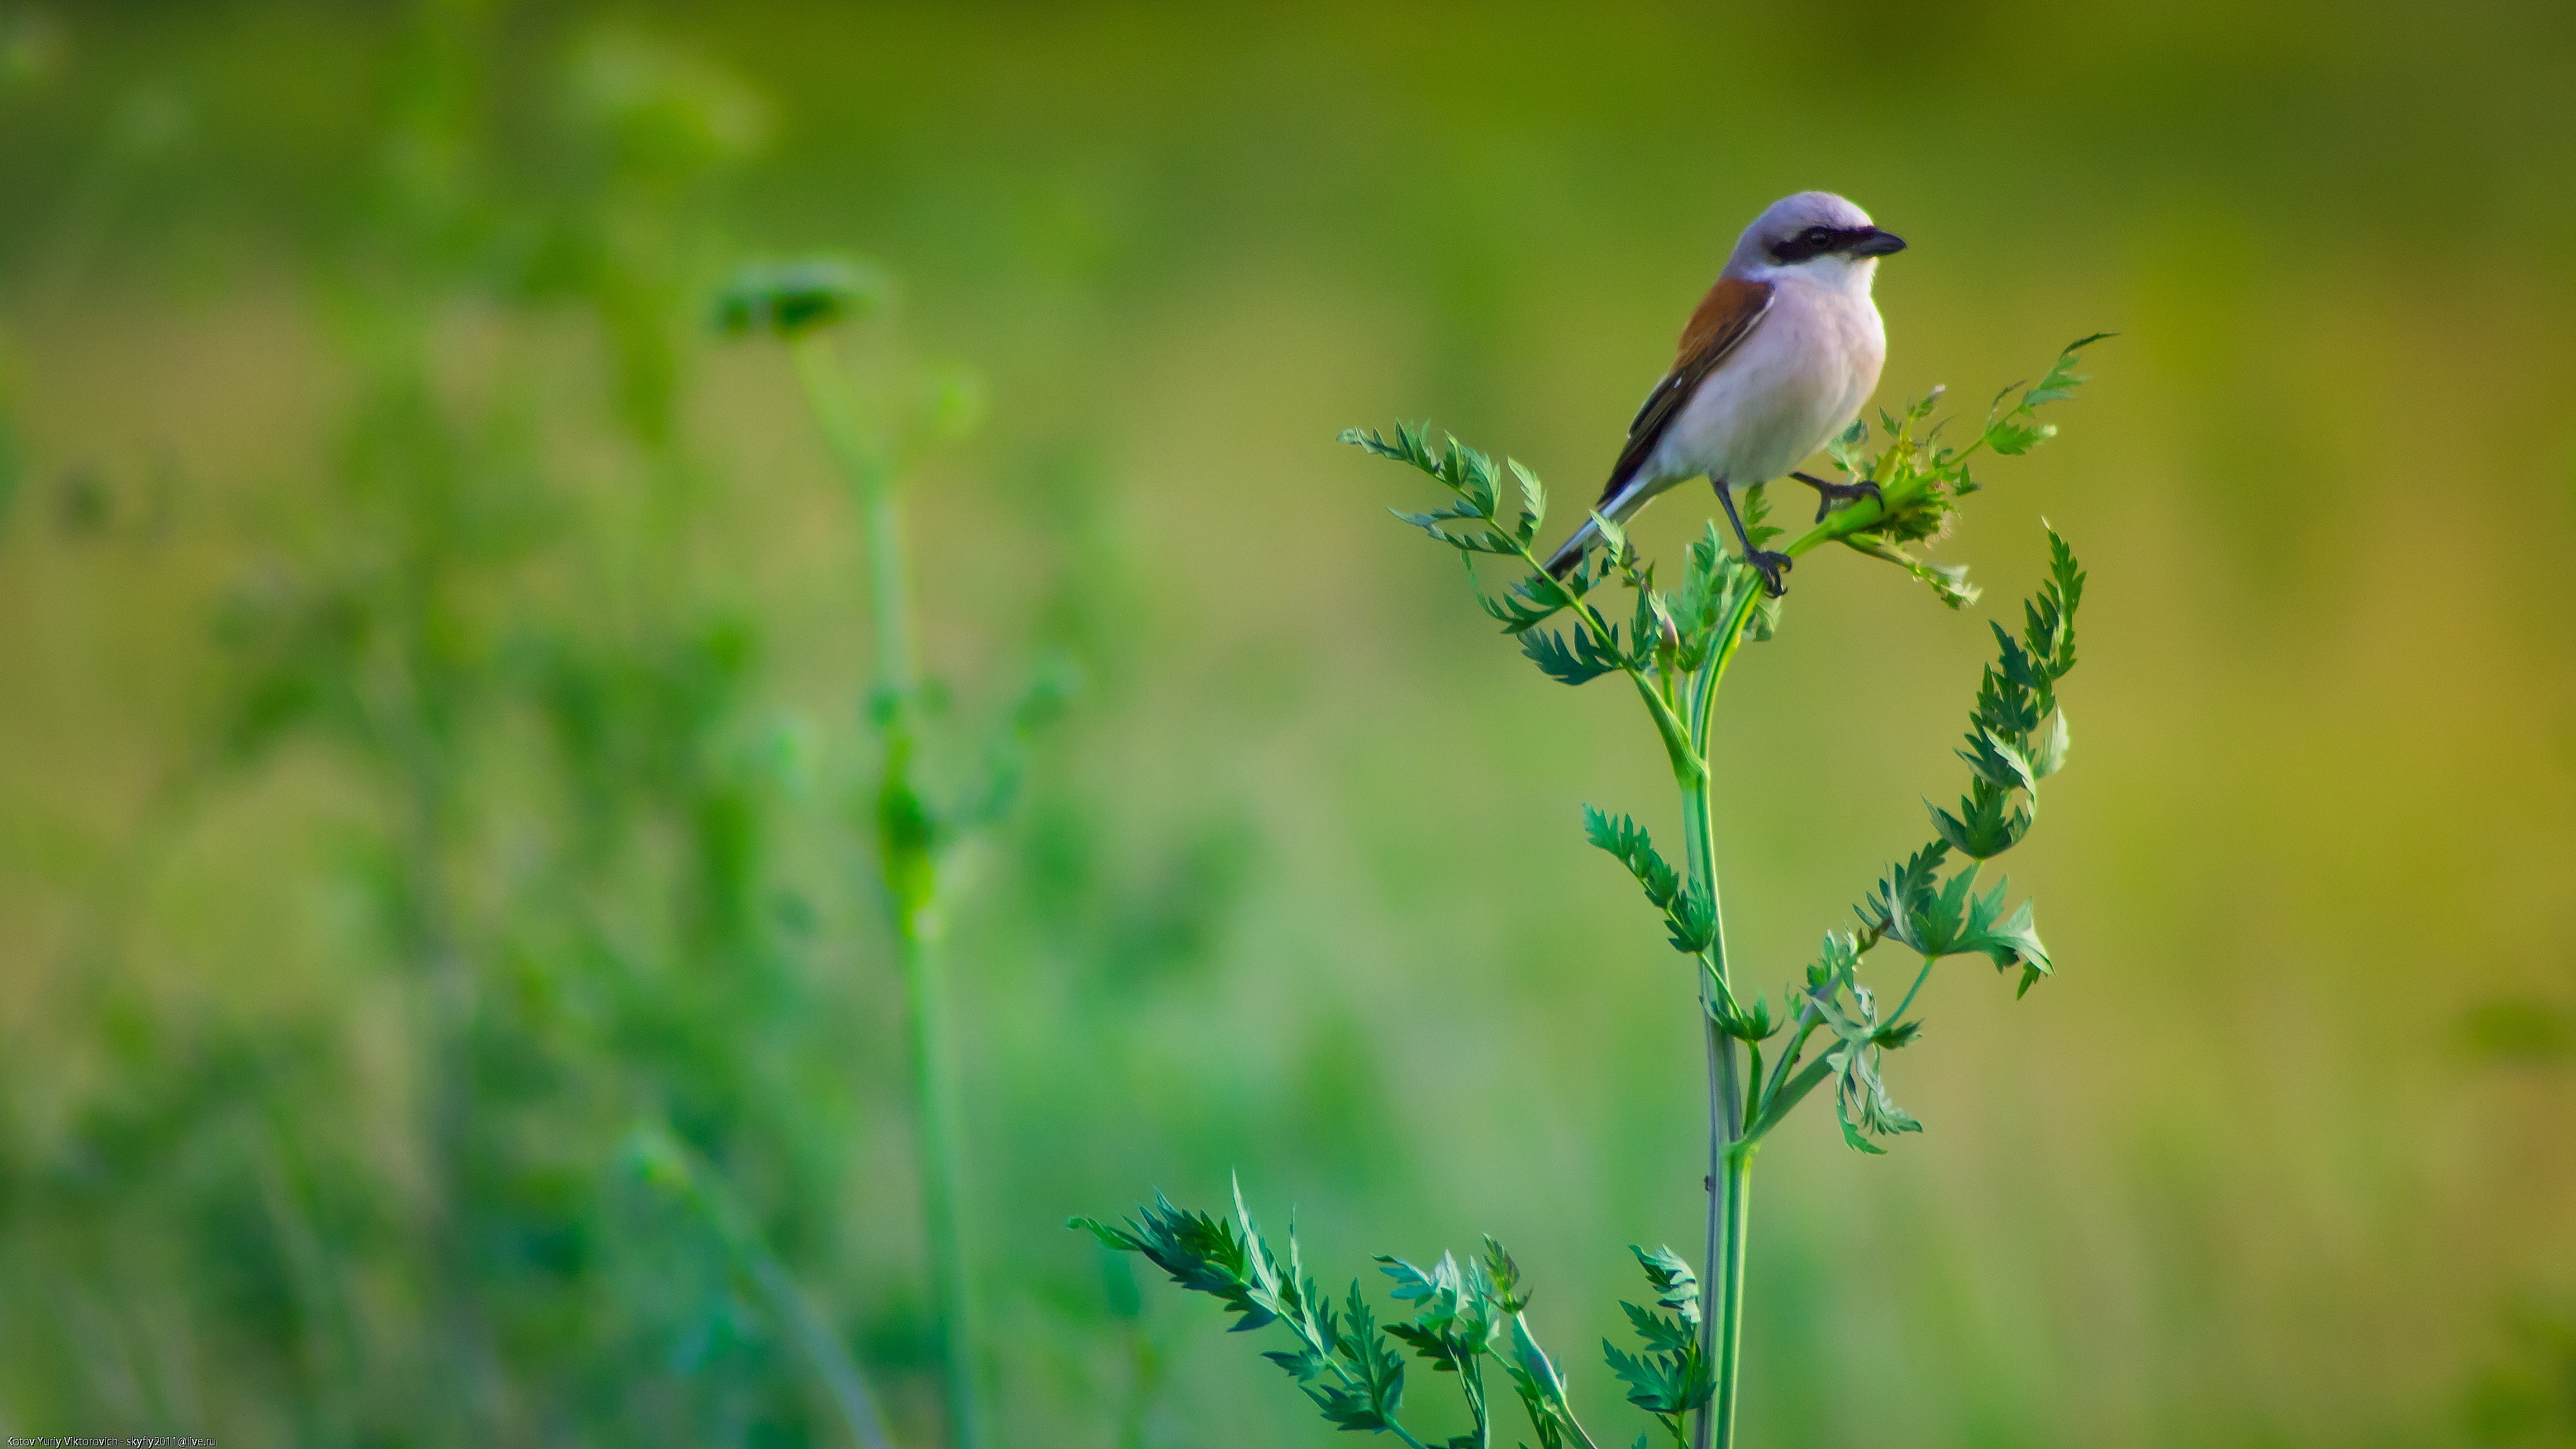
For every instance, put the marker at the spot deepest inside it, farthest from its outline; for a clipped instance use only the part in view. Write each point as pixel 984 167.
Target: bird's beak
pixel 1877 244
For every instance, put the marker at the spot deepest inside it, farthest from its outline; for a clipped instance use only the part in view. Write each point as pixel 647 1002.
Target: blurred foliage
pixel 434 723
pixel 566 820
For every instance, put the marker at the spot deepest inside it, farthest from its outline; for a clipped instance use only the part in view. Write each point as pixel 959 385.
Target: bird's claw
pixel 1830 496
pixel 1771 566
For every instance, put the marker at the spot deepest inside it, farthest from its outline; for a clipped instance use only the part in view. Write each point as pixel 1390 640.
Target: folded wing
pixel 1726 316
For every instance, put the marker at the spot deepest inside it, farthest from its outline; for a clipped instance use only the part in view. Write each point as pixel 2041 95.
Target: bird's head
pixel 1815 234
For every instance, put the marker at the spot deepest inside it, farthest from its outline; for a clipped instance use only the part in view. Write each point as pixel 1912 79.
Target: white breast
pixel 1796 382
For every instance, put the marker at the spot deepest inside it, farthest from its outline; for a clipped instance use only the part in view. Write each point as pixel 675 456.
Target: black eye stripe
pixel 1815 241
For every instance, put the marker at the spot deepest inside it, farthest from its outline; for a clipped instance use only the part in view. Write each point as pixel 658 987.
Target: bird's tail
pixel 1618 505
pixel 1570 552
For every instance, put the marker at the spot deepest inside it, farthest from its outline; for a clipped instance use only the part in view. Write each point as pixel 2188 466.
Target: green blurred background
pixel 433 670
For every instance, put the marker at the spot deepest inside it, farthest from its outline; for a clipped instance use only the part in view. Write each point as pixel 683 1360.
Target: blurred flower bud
pixel 786 299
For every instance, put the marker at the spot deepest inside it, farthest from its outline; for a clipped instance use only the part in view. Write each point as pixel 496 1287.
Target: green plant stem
pixel 934 1084
pixel 870 473
pixel 909 864
pixel 1729 1177
pixel 1735 1127
pixel 707 1195
pixel 1688 763
pixel 1782 1100
pixel 1736 1177
pixel 1920 977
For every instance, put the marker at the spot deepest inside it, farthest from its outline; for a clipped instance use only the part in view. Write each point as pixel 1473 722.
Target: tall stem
pixel 1729 1178
pixel 1727 1324
pixel 935 1085
pixel 868 470
pixel 908 859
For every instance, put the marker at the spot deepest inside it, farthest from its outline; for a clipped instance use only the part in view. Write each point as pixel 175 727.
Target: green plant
pixel 1674 648
pixel 559 797
pixel 917 841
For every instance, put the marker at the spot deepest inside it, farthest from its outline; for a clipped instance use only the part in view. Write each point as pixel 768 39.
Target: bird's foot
pixel 1830 496
pixel 1772 567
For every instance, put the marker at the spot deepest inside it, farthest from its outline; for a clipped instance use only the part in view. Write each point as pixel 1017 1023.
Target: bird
pixel 1776 361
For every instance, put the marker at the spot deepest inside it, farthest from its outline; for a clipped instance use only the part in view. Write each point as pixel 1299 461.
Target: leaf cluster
pixel 916 834
pixel 1861 1103
pixel 1462 1314
pixel 1688 914
pixel 1920 479
pixel 1660 639
pixel 2017 736
pixel 1341 1358
pixel 1672 1377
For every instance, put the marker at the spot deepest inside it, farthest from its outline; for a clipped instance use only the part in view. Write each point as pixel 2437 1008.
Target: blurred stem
pixel 704 1190
pixel 907 855
pixel 870 473
pixel 934 1080
pixel 1730 1170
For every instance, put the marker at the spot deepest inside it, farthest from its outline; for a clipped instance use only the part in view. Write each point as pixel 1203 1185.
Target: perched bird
pixel 1776 361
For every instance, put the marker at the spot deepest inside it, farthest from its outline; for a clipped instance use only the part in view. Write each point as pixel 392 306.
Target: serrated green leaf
pixel 2049 627
pixel 1845 449
pixel 1749 1024
pixel 1915 878
pixel 1580 662
pixel 2008 939
pixel 1930 919
pixel 1692 920
pixel 1429 523
pixel 1668 1385
pixel 1533 501
pixel 1627 841
pixel 1196 1251
pixel 1669 1274
pixel 2048 756
pixel 1948 582
pixel 1837 957
pixel 1755 509
pixel 2062 379
pixel 1503 1278
pixel 1987 825
pixel 1661 1334
pixel 1861 1103
pixel 1998 763
pixel 1614 540
pixel 1536 1373
pixel 2013 439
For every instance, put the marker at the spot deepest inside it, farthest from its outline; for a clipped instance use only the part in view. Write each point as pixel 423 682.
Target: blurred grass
pixel 2238 1176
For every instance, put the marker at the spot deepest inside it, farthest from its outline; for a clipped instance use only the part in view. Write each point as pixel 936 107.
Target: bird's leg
pixel 1769 565
pixel 1830 496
